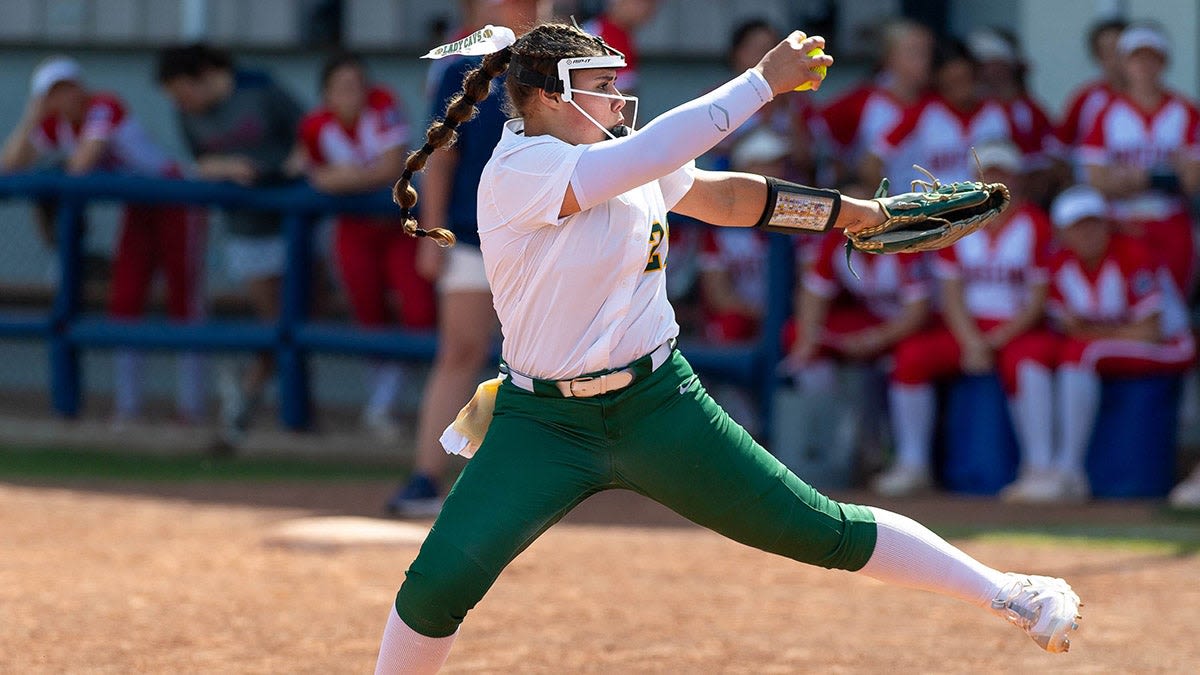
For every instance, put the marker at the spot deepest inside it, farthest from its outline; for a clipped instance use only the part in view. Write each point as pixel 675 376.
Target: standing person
pixel 595 395
pixel 939 132
pixel 240 127
pixel 96 130
pixel 858 119
pixel 1143 153
pixel 1087 102
pixel 466 320
pixel 993 286
pixel 356 142
pixel 1106 299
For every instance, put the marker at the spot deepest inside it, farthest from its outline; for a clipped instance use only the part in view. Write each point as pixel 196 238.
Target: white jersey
pixel 579 294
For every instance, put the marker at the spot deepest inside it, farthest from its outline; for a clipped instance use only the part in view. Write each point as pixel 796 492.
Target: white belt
pixel 595 385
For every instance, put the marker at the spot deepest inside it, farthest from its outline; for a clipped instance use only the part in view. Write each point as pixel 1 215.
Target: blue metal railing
pixel 293 336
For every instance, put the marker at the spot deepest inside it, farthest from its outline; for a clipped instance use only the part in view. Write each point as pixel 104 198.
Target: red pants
pixel 170 237
pixel 1171 243
pixel 935 353
pixel 375 258
pixel 841 320
pixel 1129 357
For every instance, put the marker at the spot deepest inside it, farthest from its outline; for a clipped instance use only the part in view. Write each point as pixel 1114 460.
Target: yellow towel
pixel 465 434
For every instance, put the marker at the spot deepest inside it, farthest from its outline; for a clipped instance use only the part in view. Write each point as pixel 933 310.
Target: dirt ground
pixel 171 577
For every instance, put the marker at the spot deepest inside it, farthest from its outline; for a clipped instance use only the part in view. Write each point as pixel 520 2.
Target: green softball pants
pixel 662 437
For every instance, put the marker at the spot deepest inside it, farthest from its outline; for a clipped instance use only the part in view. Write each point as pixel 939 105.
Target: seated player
pixel 1108 298
pixel 992 287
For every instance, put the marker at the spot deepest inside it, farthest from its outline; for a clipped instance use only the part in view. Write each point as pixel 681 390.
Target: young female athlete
pixel 572 222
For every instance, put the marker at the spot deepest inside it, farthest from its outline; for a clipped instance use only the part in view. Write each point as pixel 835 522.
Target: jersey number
pixel 658 234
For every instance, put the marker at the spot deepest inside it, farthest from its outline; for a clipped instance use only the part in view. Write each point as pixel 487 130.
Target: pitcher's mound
pixel 338 531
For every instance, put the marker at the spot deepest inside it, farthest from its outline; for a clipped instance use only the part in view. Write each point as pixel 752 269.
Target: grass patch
pixel 57 463
pixel 1175 533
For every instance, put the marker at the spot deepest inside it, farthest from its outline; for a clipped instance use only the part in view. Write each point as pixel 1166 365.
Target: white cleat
pixel 903 481
pixel 1044 607
pixel 1186 495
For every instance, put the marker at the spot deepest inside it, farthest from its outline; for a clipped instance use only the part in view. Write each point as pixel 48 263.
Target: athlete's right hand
pixel 788 65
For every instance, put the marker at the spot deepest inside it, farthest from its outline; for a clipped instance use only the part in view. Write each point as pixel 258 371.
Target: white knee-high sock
pixel 908 554
pixel 385 385
pixel 404 651
pixel 913 409
pixel 127 391
pixel 1078 403
pixel 1033 415
pixel 191 393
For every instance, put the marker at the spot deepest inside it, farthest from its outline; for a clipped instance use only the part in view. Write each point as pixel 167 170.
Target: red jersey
pixel 1123 288
pixel 939 138
pixel 1124 134
pixel 382 126
pixel 998 267
pixel 1032 132
pixel 858 120
pixel 1082 110
pixel 106 118
pixel 883 284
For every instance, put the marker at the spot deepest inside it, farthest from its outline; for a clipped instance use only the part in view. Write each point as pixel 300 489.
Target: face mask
pixel 617 60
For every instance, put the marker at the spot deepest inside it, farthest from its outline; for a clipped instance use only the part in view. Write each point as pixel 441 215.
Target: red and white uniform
pixel 939 138
pixel 1125 135
pixel 170 236
pixel 1032 131
pixel 373 255
pixel 741 254
pixel 1123 288
pixel 1082 110
pixel 857 121
pixel 998 269
pixel 876 291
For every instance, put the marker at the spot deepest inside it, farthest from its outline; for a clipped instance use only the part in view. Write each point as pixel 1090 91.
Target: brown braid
pixel 539 49
pixel 441 133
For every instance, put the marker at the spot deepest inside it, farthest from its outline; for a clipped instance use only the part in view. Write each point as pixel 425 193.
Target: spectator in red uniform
pixel 1085 104
pixel 993 287
pixel 1143 153
pixel 356 142
pixel 857 120
pixel 1107 300
pixel 95 130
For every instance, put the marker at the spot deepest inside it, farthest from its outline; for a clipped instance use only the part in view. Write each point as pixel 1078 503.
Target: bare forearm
pixel 955 311
pixel 907 323
pixel 811 314
pixel 19 152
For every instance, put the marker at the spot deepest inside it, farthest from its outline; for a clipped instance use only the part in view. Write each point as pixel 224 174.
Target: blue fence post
pixel 65 378
pixel 780 260
pixel 295 396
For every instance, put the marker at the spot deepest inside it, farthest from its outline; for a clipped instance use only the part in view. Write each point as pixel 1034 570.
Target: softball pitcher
pixel 573 225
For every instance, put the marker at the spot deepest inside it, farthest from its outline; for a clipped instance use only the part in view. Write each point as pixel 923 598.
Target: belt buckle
pixel 589 386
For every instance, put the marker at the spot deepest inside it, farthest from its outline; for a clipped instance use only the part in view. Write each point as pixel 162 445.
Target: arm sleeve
pixel 610 168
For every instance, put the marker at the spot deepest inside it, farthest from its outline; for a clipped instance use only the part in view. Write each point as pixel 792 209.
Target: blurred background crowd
pixel 1082 293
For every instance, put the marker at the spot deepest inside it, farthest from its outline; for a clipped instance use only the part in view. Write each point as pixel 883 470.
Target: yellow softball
pixel 819 70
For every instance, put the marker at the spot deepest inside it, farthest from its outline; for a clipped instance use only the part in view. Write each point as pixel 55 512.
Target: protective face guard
pixel 562 85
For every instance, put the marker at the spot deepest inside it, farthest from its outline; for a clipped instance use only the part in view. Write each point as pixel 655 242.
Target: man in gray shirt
pixel 241 127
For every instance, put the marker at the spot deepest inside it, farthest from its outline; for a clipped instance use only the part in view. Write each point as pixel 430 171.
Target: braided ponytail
pixel 476 85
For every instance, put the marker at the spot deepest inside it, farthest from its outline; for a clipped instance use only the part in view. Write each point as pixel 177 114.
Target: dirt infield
pixel 186 577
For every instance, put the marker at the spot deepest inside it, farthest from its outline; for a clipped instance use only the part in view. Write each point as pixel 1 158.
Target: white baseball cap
pixel 1143 36
pixel 52 71
pixel 760 145
pixel 999 155
pixel 1076 203
pixel 988 45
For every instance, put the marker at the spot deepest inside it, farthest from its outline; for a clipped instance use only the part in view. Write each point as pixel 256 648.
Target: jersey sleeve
pixel 842 117
pixel 886 145
pixel 946 265
pixel 1056 305
pixel 1093 149
pixel 1043 243
pixel 309 136
pixel 393 122
pixel 677 184
pixel 524 189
